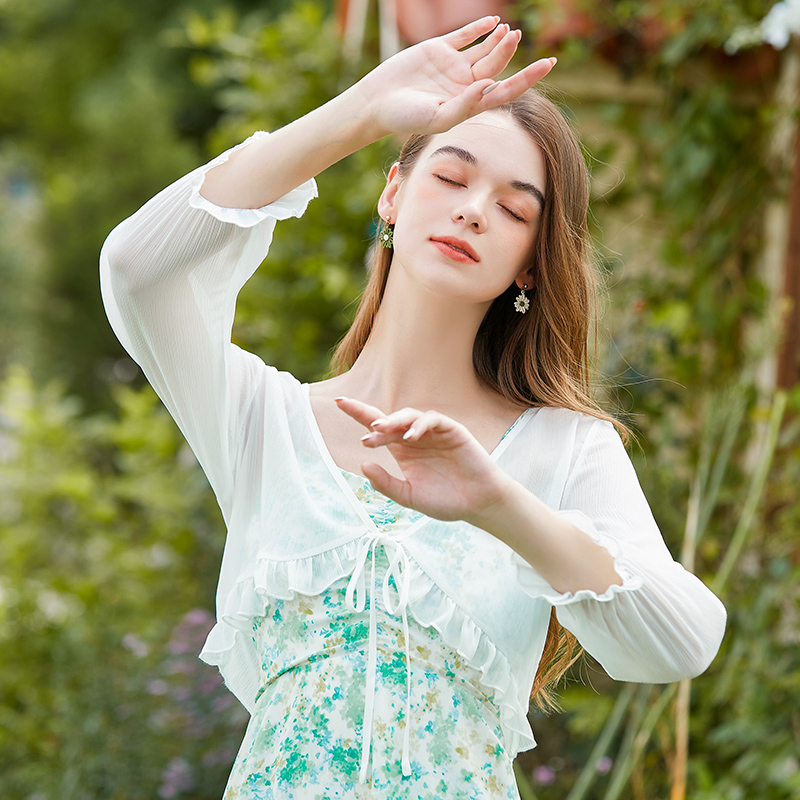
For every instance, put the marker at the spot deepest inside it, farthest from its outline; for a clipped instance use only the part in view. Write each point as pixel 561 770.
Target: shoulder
pixel 564 439
pixel 578 426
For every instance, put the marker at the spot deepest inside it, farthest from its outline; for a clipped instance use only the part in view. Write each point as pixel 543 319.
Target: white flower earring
pixel 387 235
pixel 522 304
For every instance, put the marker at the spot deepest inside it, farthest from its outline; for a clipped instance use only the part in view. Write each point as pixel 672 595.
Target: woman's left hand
pixel 447 473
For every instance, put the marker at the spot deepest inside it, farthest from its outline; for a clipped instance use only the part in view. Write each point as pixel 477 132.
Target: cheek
pixel 417 211
pixel 522 241
pixel 419 193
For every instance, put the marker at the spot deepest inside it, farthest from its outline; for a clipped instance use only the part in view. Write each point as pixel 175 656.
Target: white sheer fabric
pixel 170 275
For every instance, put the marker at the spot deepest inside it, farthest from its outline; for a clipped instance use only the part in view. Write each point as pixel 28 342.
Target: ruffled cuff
pixel 533 584
pixel 292 204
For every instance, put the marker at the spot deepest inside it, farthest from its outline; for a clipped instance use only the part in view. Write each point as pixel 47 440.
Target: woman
pixel 386 634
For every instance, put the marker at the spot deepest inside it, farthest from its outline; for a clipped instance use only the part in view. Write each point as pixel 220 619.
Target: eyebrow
pixel 469 158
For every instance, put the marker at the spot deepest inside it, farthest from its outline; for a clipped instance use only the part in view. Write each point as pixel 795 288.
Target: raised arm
pixel 170 274
pixel 427 88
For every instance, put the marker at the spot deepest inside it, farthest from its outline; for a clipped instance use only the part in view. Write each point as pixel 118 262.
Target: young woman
pixel 386 634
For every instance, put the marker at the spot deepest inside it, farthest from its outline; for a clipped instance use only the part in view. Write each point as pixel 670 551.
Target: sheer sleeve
pixel 662 624
pixel 169 276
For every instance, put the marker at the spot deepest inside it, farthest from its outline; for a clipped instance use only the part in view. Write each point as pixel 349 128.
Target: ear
pixel 387 202
pixel 525 277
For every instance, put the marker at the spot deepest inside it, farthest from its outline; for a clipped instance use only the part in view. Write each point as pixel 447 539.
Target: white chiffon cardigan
pixel 170 275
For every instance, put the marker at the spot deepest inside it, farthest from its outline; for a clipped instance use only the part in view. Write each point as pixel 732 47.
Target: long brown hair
pixel 539 358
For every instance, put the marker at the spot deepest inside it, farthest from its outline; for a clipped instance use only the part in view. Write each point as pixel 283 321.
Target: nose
pixel 471 210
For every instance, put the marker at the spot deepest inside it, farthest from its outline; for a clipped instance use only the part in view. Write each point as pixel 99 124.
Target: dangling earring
pixel 387 236
pixel 522 304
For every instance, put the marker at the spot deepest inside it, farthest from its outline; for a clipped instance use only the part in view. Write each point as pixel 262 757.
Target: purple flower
pixel 157 687
pixel 210 682
pixel 222 703
pixel 176 779
pixel 179 646
pixel 130 641
pixel 199 617
pixel 604 765
pixel 190 633
pixel 544 776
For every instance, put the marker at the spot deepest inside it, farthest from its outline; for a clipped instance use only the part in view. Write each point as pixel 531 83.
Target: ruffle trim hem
pixel 230 647
pixel 533 584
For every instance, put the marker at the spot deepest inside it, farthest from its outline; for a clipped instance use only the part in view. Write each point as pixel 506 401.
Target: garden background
pixel 110 540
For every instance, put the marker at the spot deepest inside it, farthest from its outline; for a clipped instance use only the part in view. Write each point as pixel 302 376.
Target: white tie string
pixel 398 570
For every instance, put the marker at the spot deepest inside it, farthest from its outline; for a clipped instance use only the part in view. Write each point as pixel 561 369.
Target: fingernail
pixel 366 436
pixel 553 60
pixel 375 423
pixel 490 88
pixel 409 433
pixel 337 399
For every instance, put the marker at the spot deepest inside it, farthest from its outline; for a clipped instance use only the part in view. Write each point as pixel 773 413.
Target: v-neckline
pixel 338 472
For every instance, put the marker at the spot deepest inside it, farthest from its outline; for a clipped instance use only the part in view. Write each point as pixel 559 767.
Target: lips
pixel 457 247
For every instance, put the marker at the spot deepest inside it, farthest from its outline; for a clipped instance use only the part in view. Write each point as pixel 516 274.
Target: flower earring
pixel 387 236
pixel 522 304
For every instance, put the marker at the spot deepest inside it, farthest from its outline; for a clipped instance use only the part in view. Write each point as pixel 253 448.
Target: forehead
pixel 499 143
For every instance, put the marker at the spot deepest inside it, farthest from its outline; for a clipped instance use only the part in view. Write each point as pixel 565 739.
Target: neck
pixel 419 352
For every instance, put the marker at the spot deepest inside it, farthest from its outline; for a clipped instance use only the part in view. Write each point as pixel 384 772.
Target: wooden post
pixel 773 337
pixel 789 356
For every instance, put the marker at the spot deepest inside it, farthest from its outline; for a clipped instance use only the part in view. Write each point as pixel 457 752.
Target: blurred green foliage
pixel 109 545
pixel 109 537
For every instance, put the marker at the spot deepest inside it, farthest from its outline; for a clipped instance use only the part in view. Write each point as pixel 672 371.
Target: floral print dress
pixel 305 738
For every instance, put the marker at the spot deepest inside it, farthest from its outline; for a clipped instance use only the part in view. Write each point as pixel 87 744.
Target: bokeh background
pixel 110 540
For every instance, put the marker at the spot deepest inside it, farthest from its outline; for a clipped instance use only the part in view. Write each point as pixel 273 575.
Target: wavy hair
pixel 540 358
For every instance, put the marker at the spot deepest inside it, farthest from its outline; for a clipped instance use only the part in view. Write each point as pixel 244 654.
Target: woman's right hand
pixel 434 85
pixel 427 88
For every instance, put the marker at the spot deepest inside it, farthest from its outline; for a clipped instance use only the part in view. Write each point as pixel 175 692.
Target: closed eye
pixel 447 180
pixel 513 214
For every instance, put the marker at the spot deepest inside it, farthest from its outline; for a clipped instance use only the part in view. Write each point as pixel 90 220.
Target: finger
pixel 426 423
pixel 397 421
pixel 470 102
pixel 470 32
pixel 498 58
pixel 387 484
pixel 360 412
pixel 505 90
pixel 482 49
pixel 408 425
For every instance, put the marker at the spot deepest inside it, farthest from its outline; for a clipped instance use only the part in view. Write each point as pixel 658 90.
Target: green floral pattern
pixel 304 738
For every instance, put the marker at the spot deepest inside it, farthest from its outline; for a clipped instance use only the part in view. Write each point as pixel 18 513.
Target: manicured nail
pixel 337 399
pixel 367 436
pixel 409 433
pixel 490 88
pixel 375 423
pixel 553 60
